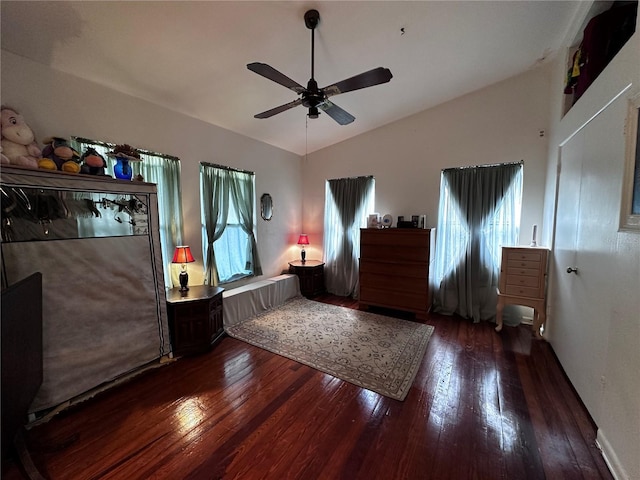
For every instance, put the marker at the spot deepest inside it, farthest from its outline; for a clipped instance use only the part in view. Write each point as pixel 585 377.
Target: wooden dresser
pixel 394 269
pixel 523 281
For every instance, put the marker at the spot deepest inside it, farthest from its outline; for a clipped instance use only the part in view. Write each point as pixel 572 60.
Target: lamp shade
pixel 182 255
pixel 303 240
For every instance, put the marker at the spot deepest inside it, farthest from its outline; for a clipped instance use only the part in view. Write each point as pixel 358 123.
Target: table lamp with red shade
pixel 303 240
pixel 183 256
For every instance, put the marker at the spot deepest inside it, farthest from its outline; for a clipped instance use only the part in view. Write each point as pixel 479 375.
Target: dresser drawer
pixel 523 291
pixel 394 283
pixel 529 272
pixel 523 280
pixel 524 256
pixel 395 245
pixel 387 269
pixel 417 301
pixel 394 254
pixel 527 264
pixel 395 239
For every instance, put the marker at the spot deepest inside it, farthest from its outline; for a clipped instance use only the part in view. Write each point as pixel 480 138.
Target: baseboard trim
pixel 610 457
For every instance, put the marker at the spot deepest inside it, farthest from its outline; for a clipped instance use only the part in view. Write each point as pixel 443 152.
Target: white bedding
pixel 244 302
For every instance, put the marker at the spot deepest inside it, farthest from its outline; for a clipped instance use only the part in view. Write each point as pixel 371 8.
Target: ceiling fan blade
pixel 280 109
pixel 272 74
pixel 367 79
pixel 338 114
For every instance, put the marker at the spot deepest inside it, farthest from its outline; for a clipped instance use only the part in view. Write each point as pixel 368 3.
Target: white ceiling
pixel 191 57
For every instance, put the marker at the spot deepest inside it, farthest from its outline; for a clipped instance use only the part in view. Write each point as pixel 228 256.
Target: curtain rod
pixel 521 162
pixel 112 145
pixel 352 178
pixel 224 167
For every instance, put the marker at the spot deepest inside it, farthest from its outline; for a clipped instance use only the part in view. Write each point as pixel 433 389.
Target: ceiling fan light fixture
pixel 315 98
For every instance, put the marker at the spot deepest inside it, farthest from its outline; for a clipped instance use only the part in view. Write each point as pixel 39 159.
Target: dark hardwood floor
pixel 484 405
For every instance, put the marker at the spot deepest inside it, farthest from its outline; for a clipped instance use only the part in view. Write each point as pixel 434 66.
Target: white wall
pixel 55 103
pixel 603 367
pixel 500 123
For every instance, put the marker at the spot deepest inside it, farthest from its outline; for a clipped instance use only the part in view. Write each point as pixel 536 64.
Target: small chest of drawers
pixel 311 275
pixel 523 281
pixel 195 318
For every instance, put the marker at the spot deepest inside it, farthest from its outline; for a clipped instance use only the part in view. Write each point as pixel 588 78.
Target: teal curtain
pixel 243 197
pixel 228 195
pixel 479 212
pixel 164 171
pixel 214 192
pixel 348 201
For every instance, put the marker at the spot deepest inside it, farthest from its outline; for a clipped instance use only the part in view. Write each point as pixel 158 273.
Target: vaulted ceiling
pixel 191 57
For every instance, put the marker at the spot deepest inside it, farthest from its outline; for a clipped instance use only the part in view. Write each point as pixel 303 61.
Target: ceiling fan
pixel 315 98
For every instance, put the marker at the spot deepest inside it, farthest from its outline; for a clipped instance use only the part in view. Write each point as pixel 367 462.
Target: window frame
pixel 630 220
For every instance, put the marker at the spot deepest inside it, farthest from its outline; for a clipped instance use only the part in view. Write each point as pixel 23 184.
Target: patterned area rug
pixel 375 352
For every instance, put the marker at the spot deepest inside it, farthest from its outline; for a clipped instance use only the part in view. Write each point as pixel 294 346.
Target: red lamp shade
pixel 303 240
pixel 182 255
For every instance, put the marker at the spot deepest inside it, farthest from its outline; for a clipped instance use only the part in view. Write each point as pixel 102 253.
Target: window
pixel 479 213
pixel 164 171
pixel 229 243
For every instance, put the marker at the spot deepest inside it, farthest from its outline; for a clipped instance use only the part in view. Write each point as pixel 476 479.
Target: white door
pixel 589 195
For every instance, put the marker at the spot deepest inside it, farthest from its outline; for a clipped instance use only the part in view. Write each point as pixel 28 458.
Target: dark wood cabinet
pixel 311 275
pixel 195 318
pixel 394 269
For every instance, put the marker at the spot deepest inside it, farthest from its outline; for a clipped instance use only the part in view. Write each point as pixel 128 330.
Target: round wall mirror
pixel 266 206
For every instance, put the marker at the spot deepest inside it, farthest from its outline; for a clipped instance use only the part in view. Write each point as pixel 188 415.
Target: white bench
pixel 249 300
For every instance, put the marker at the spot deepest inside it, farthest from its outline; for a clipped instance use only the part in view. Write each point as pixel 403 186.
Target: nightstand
pixel 311 275
pixel 195 318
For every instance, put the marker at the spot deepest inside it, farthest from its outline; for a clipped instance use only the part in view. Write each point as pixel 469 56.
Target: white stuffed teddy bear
pixel 18 140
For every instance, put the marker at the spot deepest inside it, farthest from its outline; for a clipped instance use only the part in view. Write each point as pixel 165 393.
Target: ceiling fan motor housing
pixel 312 96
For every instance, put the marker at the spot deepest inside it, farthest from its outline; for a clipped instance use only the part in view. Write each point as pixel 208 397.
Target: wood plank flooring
pixel 484 405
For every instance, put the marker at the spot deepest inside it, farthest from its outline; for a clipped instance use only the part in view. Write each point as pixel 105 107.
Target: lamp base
pixel 303 255
pixel 184 280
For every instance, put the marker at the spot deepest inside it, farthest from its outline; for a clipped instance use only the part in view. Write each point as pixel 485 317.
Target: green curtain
pixel 165 173
pixel 214 186
pixel 242 195
pixel 347 203
pixel 479 213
